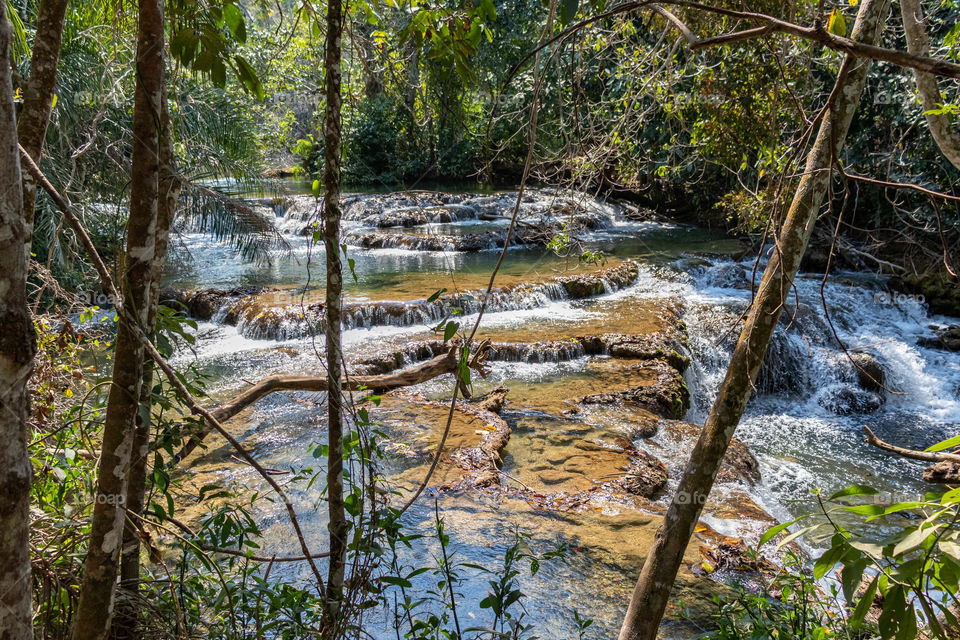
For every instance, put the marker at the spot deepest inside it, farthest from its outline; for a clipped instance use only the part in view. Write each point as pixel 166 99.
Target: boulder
pixel 847 400
pixel 870 374
pixel 947 339
pixel 939 291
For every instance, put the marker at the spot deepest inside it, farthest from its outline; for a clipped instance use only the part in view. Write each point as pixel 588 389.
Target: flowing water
pixel 804 424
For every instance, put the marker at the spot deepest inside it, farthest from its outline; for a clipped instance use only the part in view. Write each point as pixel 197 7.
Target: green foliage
pixel 791 605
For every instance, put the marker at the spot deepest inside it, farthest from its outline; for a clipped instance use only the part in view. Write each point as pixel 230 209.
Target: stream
pixel 804 425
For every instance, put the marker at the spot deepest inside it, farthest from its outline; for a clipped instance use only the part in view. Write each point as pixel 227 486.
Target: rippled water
pixel 797 425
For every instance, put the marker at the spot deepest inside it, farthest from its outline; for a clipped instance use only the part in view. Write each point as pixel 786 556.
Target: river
pixel 803 426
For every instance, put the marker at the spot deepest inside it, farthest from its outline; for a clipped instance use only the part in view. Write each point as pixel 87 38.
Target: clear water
pixel 793 426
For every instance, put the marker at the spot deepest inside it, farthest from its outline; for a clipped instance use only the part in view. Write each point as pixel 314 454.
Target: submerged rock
pixel 666 395
pixel 846 400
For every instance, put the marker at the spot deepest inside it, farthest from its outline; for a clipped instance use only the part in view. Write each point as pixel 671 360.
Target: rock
pixel 870 374
pixel 947 339
pixel 552 477
pixel 939 291
pixel 739 464
pixel 945 472
pixel 845 401
pixel 666 396
pixel 665 345
pixel 204 303
pixel 646 476
pixel 588 285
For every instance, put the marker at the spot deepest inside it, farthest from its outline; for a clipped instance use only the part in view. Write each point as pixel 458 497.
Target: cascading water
pixel 804 423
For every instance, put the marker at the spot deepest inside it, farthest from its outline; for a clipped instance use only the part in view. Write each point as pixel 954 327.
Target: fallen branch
pixel 913 454
pixel 437 366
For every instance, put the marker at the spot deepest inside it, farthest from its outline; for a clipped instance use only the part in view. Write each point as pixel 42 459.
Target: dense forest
pixel 479 319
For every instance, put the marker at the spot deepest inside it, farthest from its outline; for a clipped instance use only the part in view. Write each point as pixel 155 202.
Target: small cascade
pixel 255 319
pixel 486 241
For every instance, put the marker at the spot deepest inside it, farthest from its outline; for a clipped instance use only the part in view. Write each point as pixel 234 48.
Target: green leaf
pixel 837 25
pixel 773 531
pixel 233 17
pixel 248 77
pixel 827 561
pixel 854 490
pixel 436 294
pixel 397 581
pixel 915 539
pixel 568 11
pixel 316 188
pixel 949 443
pixel 856 618
pixel 850 577
pixel 450 330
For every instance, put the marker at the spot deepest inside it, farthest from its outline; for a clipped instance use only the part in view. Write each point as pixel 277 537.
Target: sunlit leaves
pixel 836 24
pixel 205 40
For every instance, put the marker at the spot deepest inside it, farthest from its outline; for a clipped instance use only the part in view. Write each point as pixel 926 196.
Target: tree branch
pixel 913 454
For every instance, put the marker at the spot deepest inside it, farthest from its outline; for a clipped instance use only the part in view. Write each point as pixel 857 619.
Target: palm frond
pixel 252 233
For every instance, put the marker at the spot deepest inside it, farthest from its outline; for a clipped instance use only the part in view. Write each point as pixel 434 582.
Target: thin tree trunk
pixel 17 348
pixel 95 609
pixel 137 477
pixel 659 572
pixel 331 237
pixel 942 130
pixel 38 92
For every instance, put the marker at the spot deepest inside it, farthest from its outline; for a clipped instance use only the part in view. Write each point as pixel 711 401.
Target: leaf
pixel 854 490
pixel 450 330
pixel 856 618
pixel 949 443
pixel 850 577
pixel 436 294
pixel 837 25
pixel 915 539
pixel 233 17
pixel 773 531
pixel 248 77
pixel 397 581
pixel 827 561
pixel 568 10
pixel 316 188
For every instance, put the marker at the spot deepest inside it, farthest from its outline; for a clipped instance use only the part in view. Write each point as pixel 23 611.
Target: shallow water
pixel 796 426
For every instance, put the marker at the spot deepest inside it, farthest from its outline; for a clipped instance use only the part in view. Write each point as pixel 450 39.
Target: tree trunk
pixel 17 348
pixel 652 591
pixel 331 238
pixel 38 92
pixel 946 137
pixel 169 195
pixel 95 609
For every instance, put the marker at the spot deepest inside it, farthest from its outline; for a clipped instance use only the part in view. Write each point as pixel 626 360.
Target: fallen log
pixel 442 364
